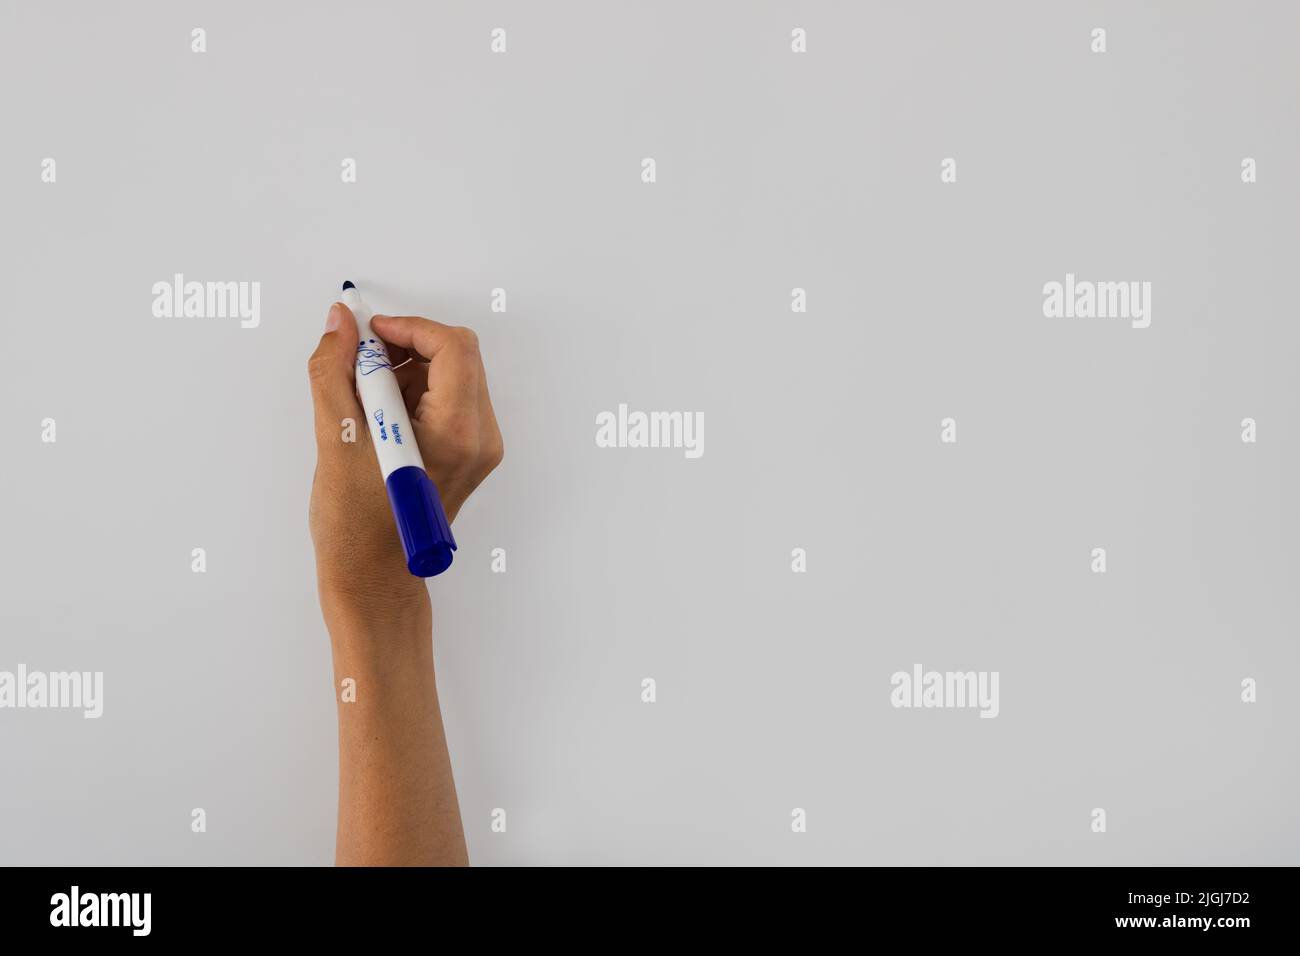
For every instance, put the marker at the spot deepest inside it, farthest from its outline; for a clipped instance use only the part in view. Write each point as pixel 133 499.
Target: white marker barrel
pixel 417 508
pixel 381 397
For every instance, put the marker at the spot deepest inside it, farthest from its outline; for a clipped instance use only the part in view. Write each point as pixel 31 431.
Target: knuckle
pixel 462 440
pixel 467 338
pixel 318 367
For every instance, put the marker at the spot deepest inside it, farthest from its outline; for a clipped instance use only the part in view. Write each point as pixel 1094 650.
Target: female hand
pixel 397 797
pixel 441 375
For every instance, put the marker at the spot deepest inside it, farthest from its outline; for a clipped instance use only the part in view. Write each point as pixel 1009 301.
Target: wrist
pixel 451 502
pixel 385 675
pixel 384 619
pixel 397 661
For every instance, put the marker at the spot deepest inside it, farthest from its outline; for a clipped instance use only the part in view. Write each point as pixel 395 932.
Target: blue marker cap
pixel 421 522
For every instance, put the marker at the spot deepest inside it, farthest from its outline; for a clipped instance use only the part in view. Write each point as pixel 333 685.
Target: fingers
pixel 331 370
pixel 422 335
pixel 455 371
pixel 413 380
pixel 493 447
pixel 396 354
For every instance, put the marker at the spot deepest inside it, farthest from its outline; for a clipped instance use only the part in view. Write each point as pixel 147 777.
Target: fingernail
pixel 334 318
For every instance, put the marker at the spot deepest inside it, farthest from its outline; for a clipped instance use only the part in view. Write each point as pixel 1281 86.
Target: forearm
pixel 397 798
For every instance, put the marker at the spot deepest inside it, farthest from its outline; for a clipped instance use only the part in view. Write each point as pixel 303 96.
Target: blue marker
pixel 426 536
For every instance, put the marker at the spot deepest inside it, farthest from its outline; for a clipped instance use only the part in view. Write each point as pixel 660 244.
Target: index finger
pixel 425 336
pixel 451 351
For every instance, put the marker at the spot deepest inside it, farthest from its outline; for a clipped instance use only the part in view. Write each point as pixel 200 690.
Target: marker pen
pixel 426 536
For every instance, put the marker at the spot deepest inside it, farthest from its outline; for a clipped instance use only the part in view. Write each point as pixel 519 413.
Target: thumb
pixel 332 371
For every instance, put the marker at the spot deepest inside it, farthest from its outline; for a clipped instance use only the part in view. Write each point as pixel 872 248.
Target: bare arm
pixel 397 798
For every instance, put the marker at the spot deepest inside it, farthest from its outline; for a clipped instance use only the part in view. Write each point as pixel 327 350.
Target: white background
pixel 775 171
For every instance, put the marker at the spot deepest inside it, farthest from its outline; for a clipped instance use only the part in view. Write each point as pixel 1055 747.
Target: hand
pixel 358 552
pixel 397 798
